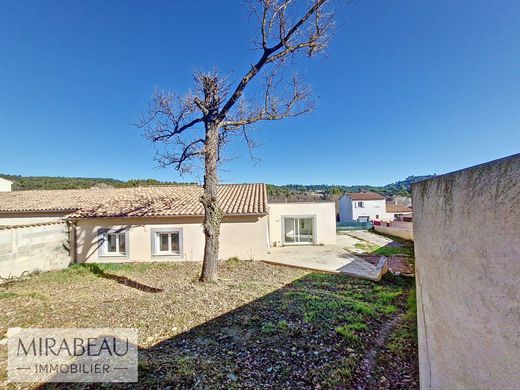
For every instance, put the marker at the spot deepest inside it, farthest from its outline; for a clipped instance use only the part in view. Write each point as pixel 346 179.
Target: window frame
pixel 155 245
pixel 103 242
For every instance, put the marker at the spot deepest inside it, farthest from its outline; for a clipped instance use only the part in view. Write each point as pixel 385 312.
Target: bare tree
pixel 195 127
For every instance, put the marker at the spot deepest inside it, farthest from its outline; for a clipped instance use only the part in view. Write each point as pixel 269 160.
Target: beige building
pixel 302 223
pixel 165 223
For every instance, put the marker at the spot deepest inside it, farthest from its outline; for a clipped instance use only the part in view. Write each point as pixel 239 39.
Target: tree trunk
pixel 212 212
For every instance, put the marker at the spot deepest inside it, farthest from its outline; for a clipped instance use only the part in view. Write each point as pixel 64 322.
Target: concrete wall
pixel 244 237
pixel 467 247
pixel 324 214
pixel 406 234
pixel 42 248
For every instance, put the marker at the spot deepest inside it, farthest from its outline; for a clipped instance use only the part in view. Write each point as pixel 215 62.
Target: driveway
pixel 328 258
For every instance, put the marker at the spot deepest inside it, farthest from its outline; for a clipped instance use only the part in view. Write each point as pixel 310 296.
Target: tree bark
pixel 212 212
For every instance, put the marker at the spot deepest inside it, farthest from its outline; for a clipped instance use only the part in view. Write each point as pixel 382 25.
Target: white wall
pixel 467 253
pixel 5 185
pixel 323 212
pixel 348 211
pixel 345 209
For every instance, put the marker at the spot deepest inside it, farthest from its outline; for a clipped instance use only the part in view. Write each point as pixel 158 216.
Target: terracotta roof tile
pixel 397 208
pixel 137 202
pixel 365 196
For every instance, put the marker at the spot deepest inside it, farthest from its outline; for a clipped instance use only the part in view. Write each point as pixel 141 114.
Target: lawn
pixel 259 326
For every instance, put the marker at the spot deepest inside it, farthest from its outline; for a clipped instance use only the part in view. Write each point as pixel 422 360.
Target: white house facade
pixel 361 207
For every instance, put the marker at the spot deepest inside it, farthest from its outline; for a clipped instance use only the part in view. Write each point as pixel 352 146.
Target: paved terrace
pixel 328 258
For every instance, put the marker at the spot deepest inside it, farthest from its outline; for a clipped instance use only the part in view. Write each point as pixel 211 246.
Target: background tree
pixel 195 127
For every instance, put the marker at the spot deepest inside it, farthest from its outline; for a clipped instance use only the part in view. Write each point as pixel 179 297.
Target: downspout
pixel 72 239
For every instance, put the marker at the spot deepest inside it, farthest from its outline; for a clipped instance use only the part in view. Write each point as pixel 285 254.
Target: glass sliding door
pixel 298 230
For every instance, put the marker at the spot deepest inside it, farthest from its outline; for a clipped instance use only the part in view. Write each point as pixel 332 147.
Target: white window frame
pixel 303 216
pixel 155 240
pixel 360 204
pixel 103 248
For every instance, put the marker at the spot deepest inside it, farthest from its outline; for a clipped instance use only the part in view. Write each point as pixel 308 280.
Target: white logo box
pixel 72 354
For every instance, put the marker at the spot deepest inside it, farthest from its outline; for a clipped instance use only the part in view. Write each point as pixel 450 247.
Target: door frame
pixel 314 229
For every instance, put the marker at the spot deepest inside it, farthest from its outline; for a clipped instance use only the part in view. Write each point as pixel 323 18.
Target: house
pixel 361 207
pixel 5 185
pixel 165 223
pixel 369 206
pixel 397 211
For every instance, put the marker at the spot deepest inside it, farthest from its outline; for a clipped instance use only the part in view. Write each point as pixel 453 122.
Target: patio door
pixel 298 230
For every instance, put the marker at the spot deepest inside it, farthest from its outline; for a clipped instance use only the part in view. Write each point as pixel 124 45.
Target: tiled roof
pixel 365 196
pixel 397 208
pixel 234 199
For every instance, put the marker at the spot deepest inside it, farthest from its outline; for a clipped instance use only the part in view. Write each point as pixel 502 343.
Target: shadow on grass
pixel 315 330
pixel 298 336
pixel 100 272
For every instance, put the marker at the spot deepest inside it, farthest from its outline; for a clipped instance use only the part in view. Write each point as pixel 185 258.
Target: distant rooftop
pixel 365 196
pixel 397 208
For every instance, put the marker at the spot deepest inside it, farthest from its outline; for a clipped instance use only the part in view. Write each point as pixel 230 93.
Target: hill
pixel 399 188
pixel 21 183
pixel 289 192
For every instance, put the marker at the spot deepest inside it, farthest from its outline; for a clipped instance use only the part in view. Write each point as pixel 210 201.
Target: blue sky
pixel 406 88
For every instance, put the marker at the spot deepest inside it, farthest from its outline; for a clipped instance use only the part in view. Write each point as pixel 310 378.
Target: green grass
pixel 233 261
pixel 347 333
pixel 372 249
pixel 7 294
pixel 268 328
pixel 283 325
pixel 405 335
pixel 22 294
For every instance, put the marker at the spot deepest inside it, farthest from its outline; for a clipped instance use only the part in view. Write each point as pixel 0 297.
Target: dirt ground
pixel 259 326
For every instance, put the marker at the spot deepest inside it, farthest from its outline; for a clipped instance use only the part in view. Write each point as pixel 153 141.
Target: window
pixel 360 204
pixel 113 243
pixel 166 242
pixel 377 216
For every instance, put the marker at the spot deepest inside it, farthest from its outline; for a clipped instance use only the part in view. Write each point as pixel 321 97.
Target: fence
pixel 30 248
pixel 344 226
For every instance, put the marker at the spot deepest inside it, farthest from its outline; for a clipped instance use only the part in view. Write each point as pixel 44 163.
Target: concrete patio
pixel 327 258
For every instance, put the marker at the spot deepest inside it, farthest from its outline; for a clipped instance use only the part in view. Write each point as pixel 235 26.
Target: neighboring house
pixel 5 185
pixel 361 207
pixel 397 211
pixel 165 223
pixel 369 206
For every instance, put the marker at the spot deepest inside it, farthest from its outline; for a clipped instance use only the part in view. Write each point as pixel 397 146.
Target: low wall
pixel 467 252
pixel 406 234
pixel 402 225
pixel 33 247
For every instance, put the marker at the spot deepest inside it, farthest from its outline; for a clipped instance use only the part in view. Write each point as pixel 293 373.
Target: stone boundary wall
pixel 406 234
pixel 467 254
pixel 30 248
